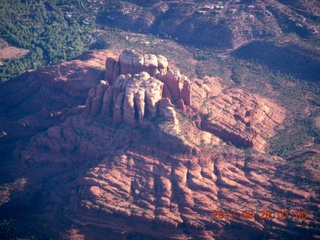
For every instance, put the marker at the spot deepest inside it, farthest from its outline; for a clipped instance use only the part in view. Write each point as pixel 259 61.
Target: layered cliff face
pixel 176 86
pixel 139 87
pixel 78 175
pixel 243 119
pixel 149 184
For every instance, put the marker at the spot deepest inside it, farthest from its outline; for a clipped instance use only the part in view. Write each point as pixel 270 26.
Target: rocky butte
pixel 150 155
pixel 139 87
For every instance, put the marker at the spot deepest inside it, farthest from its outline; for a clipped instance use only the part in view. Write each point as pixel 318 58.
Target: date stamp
pixel 262 214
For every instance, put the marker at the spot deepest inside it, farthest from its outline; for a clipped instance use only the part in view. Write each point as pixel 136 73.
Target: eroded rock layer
pixel 138 83
pixel 130 62
pixel 163 187
pixel 244 119
pixel 71 175
pixel 240 118
pixel 130 99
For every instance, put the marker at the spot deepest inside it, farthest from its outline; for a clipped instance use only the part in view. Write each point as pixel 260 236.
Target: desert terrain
pixel 179 120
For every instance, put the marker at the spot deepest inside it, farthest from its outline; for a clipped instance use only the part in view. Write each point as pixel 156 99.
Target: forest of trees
pixel 52 30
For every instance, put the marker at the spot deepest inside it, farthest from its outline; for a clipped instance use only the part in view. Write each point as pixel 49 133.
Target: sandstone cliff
pixel 243 119
pixel 131 62
pixel 71 175
pixel 132 181
pixel 138 83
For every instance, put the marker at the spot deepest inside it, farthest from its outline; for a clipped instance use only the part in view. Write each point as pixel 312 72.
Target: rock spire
pixel 137 88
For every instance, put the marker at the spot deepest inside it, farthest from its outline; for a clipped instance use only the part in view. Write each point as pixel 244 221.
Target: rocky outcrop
pixel 243 119
pixel 137 85
pixel 149 183
pixel 234 116
pixel 172 82
pixel 130 100
pixel 131 62
pixel 54 87
pixel 121 182
pixel 142 177
pixel 111 68
pixel 95 98
pixel 166 109
pixel 185 92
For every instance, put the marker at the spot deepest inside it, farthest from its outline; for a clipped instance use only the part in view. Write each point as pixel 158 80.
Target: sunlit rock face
pixel 93 178
pixel 144 81
pixel 134 86
pixel 243 119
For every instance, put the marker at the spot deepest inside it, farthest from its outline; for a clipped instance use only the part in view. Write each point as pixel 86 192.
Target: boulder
pixel 150 64
pixel 162 65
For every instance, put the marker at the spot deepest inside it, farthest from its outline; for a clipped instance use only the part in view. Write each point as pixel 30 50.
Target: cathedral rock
pixel 137 88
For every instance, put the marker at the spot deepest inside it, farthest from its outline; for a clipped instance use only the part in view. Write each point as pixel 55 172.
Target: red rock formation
pixel 235 116
pixel 139 99
pixel 180 105
pixel 97 100
pixel 158 182
pixel 107 102
pixel 166 109
pixel 142 91
pixel 129 100
pixel 129 108
pixel 166 92
pixel 244 120
pixel 186 92
pixel 151 64
pixel 111 69
pixel 150 182
pixel 131 62
pixel 162 65
pixel 118 108
pixel 89 100
pixel 172 82
pixel 126 62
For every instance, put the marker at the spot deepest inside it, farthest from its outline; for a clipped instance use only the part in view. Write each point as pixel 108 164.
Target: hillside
pixel 159 119
pixel 161 179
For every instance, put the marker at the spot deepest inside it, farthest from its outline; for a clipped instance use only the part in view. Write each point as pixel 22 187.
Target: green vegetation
pixel 3 44
pixel 5 229
pixel 294 94
pixel 58 30
pixel 294 86
pixel 52 29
